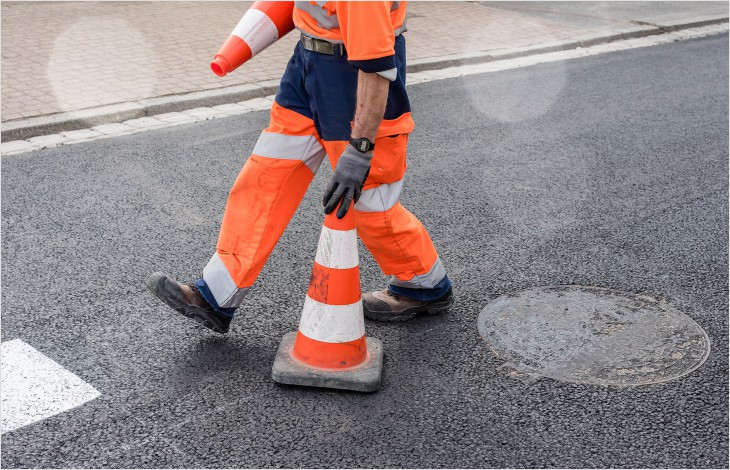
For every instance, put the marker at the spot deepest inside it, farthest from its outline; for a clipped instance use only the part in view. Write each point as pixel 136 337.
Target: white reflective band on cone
pixel 291 147
pixel 332 323
pixel 257 30
pixel 337 249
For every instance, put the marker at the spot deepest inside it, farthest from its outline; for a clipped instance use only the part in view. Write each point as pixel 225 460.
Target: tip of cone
pixel 219 67
pixel 348 222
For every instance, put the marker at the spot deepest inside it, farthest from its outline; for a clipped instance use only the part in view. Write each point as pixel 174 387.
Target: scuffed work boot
pixel 186 299
pixel 387 306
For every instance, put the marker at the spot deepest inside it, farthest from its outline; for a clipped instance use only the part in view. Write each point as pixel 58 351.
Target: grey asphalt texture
pixel 607 171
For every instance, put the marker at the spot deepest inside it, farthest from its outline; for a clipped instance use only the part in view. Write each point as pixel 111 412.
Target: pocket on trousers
pixel 389 160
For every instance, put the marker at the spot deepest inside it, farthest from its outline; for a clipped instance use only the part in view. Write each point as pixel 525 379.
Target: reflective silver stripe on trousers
pixel 380 198
pixel 221 284
pixel 423 281
pixel 291 147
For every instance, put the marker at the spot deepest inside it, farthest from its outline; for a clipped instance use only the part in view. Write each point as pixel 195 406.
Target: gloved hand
pixel 346 184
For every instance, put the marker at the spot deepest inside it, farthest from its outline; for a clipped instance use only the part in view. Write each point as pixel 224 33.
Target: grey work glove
pixel 346 184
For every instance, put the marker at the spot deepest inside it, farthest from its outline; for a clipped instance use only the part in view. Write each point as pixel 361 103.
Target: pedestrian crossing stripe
pixel 34 387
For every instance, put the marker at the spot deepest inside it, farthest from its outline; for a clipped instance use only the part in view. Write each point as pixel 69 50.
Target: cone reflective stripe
pixel 261 26
pixel 330 348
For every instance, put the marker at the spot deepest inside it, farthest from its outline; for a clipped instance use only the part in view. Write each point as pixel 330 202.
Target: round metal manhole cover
pixel 592 335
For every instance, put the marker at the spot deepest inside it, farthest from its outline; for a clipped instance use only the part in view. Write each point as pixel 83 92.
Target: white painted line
pixel 18 146
pixel 261 104
pixel 35 387
pixel 519 62
pixel 144 122
pixel 82 134
pixel 46 140
pixel 203 113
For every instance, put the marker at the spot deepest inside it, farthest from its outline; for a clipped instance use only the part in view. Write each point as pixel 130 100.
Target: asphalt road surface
pixel 606 171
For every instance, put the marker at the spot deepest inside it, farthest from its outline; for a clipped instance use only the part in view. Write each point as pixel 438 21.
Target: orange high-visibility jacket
pixel 367 29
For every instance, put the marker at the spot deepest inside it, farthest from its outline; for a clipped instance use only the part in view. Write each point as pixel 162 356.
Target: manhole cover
pixel 592 335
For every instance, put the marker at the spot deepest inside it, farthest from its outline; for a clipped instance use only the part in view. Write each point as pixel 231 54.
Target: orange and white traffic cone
pixel 330 349
pixel 261 26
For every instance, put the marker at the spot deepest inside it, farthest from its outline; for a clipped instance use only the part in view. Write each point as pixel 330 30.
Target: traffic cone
pixel 261 26
pixel 330 349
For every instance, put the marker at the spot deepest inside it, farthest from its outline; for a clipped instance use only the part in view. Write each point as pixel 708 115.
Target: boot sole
pixel 193 313
pixel 436 308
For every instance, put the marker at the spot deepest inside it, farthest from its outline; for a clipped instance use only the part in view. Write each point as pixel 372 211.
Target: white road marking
pixel 534 59
pixel 134 126
pixel 34 387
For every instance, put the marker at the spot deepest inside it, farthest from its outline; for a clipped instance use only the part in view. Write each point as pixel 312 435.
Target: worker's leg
pixel 395 237
pixel 265 196
pixel 397 240
pixel 263 199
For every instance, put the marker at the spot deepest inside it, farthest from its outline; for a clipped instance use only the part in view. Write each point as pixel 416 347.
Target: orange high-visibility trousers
pixel 310 119
pixel 273 182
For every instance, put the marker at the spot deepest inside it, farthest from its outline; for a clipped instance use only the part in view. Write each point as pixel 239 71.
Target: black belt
pixel 322 46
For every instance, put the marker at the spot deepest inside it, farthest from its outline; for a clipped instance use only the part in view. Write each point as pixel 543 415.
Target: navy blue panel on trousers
pixel 323 88
pixel 398 103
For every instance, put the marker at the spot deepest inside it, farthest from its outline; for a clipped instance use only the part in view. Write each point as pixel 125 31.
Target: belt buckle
pixel 307 42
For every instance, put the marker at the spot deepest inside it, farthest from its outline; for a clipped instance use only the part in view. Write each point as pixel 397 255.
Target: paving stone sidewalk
pixel 67 56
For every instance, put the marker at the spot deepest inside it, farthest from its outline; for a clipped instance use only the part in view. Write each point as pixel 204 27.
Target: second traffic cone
pixel 330 349
pixel 261 26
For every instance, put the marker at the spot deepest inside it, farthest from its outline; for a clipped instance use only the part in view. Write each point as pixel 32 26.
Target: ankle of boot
pixel 423 295
pixel 210 299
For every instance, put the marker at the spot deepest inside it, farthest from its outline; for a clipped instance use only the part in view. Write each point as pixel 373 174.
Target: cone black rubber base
pixel 363 378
